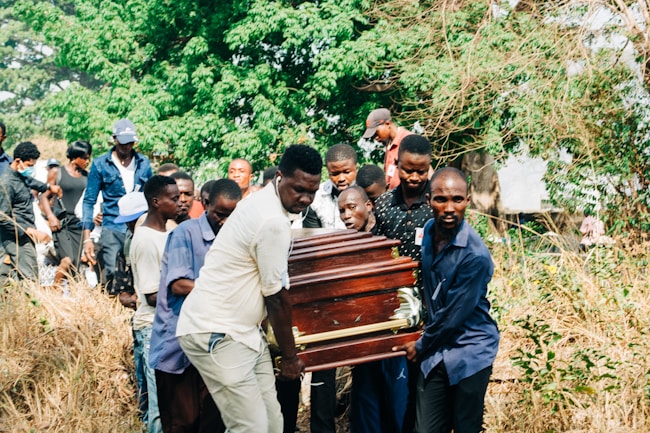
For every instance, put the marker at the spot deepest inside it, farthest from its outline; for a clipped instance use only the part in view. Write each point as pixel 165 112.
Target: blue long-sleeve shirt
pixel 458 330
pixel 184 256
pixel 104 176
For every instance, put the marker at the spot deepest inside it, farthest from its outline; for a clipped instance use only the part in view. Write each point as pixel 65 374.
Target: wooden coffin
pixel 352 297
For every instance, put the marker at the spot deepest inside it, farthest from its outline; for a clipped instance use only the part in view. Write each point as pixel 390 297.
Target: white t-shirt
pixel 247 261
pixel 126 173
pixel 326 207
pixel 147 248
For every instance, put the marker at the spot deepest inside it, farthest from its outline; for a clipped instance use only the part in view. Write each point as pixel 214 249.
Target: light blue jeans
pixel 240 380
pixel 142 338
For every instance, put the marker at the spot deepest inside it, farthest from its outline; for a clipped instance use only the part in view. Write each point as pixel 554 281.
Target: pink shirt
pixel 390 160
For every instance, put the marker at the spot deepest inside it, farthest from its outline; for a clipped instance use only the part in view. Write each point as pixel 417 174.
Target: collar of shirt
pixel 292 216
pixel 459 240
pixel 329 189
pixel 398 197
pixel 206 228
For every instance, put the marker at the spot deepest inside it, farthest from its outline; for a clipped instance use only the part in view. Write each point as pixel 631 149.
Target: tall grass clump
pixel 65 362
pixel 575 351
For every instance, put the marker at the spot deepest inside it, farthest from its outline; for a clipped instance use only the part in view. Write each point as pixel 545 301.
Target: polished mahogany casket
pixel 353 297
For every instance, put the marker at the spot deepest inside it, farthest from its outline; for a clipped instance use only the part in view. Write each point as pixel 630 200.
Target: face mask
pixel 26 172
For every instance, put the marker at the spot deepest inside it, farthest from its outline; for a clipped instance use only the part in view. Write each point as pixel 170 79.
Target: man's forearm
pixel 182 286
pixel 279 310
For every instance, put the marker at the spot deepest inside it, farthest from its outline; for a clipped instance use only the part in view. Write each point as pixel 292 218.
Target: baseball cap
pixel 375 118
pixel 53 162
pixel 124 131
pixel 131 206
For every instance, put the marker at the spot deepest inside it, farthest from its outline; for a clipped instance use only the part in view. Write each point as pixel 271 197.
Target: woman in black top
pixel 66 230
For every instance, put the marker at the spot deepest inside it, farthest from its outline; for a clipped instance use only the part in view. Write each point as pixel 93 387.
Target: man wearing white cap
pixel 380 127
pixel 119 171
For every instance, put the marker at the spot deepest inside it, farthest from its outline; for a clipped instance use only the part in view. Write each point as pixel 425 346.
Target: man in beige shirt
pixel 245 276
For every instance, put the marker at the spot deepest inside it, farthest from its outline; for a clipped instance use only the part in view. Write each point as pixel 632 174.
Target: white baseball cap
pixel 131 207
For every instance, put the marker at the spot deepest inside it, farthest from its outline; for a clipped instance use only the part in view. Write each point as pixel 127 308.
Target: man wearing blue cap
pixel 119 171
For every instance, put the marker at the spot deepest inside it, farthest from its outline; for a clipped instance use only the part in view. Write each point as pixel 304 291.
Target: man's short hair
pixel 3 128
pixel 415 144
pixel 207 187
pixel 341 152
pixel 359 189
pixel 26 151
pixel 300 157
pixel 248 163
pixel 182 175
pixel 450 171
pixel 79 149
pixel 155 186
pixel 268 174
pixel 369 174
pixel 167 167
pixel 225 188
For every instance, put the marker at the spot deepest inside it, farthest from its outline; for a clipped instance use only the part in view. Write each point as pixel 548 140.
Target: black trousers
pixel 323 401
pixel 441 407
pixel 289 399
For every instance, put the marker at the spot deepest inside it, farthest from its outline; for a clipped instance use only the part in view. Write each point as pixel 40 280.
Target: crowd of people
pixel 205 270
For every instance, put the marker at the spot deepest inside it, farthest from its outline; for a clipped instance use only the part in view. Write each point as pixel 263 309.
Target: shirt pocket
pixel 140 181
pixel 113 184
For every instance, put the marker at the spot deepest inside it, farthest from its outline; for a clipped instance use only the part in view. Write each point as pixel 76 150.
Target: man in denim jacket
pixel 115 173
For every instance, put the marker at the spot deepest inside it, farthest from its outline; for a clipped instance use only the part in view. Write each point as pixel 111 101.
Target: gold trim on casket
pixel 352 297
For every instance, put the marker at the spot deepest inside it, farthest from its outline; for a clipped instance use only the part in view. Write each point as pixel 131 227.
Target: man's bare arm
pixel 182 286
pixel 279 310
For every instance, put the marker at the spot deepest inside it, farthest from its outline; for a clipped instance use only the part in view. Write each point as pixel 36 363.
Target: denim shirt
pixel 458 329
pixel 184 256
pixel 5 160
pixel 104 176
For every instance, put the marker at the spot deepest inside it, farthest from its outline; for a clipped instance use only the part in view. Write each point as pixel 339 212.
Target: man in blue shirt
pixel 460 339
pixel 183 399
pixel 115 173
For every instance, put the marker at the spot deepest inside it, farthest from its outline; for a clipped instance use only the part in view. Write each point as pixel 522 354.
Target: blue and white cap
pixel 124 131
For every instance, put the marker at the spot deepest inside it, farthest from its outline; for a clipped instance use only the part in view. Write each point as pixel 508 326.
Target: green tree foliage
pixel 207 82
pixel 542 78
pixel 202 82
pixel 27 74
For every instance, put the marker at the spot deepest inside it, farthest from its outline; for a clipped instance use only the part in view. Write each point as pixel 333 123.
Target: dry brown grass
pixel 577 321
pixel 65 362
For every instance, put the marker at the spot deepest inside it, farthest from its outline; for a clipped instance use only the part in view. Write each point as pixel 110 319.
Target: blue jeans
pixel 111 242
pixel 142 338
pixel 140 380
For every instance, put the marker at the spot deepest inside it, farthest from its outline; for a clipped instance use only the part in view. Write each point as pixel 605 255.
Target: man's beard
pixel 182 217
pixel 447 231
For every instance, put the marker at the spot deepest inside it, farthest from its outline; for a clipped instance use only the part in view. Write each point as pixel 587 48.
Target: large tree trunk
pixel 484 189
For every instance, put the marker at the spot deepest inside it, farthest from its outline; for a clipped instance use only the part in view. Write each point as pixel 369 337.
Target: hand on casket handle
pixel 290 368
pixel 409 348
